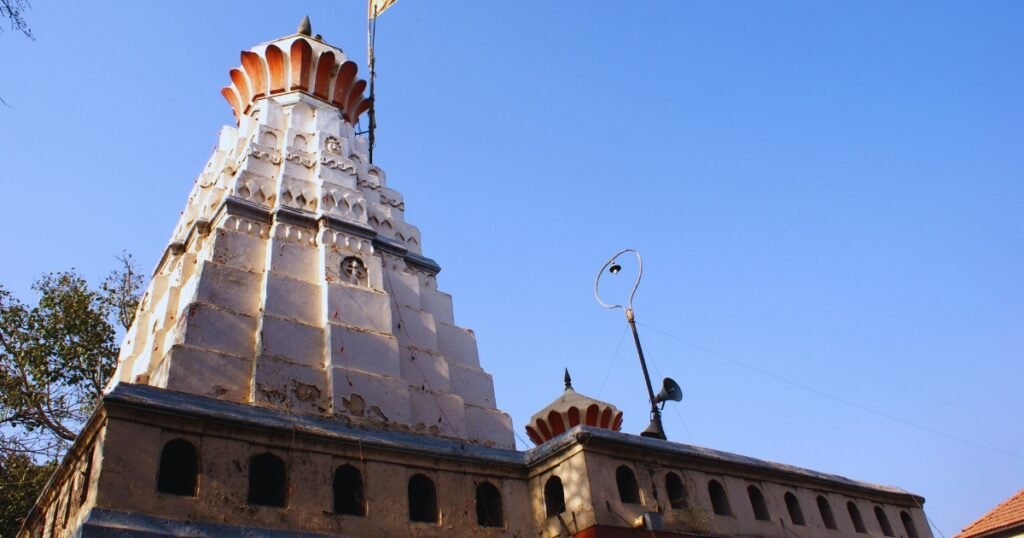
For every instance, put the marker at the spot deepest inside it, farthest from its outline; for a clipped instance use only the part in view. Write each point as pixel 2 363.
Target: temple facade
pixel 293 370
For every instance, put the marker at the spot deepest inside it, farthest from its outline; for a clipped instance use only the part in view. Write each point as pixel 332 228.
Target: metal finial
pixel 305 27
pixel 568 380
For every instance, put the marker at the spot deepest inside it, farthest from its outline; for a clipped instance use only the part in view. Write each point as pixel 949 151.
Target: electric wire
pixel 928 519
pixel 622 338
pixel 823 394
pixel 521 440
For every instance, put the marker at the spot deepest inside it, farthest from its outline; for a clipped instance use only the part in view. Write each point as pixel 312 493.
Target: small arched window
pixel 422 499
pixel 489 512
pixel 826 513
pixel 353 271
pixel 179 468
pixel 268 480
pixel 858 522
pixel 883 521
pixel 554 497
pixel 908 524
pixel 676 491
pixel 757 503
pixel 719 500
pixel 629 490
pixel 796 515
pixel 348 491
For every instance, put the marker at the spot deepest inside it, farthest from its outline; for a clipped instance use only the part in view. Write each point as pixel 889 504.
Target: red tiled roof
pixel 1009 513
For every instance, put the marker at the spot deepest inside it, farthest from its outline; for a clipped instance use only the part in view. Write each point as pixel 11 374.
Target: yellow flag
pixel 378 6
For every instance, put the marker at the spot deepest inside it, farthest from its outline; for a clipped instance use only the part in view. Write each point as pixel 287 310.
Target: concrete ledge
pixel 596 438
pixel 146 398
pixel 101 523
pixel 175 403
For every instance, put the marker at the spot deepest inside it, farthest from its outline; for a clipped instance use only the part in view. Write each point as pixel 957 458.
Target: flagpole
pixel 371 31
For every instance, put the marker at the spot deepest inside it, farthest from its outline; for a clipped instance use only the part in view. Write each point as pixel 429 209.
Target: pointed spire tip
pixel 305 27
pixel 568 380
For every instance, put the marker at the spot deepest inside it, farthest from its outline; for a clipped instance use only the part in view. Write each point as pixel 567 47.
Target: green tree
pixel 55 359
pixel 21 480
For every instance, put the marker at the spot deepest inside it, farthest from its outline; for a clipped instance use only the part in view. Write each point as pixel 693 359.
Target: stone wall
pixel 696 513
pixel 132 463
pixel 122 489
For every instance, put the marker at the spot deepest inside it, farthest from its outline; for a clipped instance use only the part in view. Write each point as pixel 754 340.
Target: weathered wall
pixel 699 516
pixel 570 467
pixel 135 423
pixel 132 462
pixel 66 500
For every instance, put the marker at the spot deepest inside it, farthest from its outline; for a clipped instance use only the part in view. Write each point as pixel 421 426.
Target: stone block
pixel 474 385
pixel 439 304
pixel 489 427
pixel 213 329
pixel 438 413
pixel 359 307
pixel 415 328
pixel 229 288
pixel 458 345
pixel 261 165
pixel 188 262
pixel 293 299
pixel 365 351
pixel 206 373
pixel 337 174
pixel 311 494
pixel 240 250
pixel 297 179
pixel 424 369
pixel 403 288
pixel 181 296
pixel 292 341
pixel 126 477
pixel 371 396
pixel 290 386
pixel 157 287
pixel 295 260
pixel 223 463
pixel 162 308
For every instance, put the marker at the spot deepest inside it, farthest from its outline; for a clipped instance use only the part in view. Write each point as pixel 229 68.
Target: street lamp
pixel 670 389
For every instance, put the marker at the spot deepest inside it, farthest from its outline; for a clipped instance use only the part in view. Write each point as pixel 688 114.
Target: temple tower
pixel 294 371
pixel 292 280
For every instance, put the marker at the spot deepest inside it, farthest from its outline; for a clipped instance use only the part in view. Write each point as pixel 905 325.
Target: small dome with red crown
pixel 297 63
pixel 572 409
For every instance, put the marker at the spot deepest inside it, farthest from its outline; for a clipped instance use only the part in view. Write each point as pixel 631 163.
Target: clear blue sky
pixel 830 193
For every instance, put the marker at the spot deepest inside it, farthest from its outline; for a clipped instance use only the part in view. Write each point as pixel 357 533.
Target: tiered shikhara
pixel 292 280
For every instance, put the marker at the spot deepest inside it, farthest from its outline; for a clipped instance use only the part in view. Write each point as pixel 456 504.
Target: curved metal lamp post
pixel 655 429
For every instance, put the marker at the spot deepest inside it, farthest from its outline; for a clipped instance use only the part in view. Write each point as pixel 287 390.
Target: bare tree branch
pixel 15 11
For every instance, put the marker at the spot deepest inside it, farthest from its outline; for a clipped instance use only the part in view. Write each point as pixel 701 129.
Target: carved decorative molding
pixel 301 157
pixel 365 183
pixel 393 202
pixel 341 164
pixel 263 153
